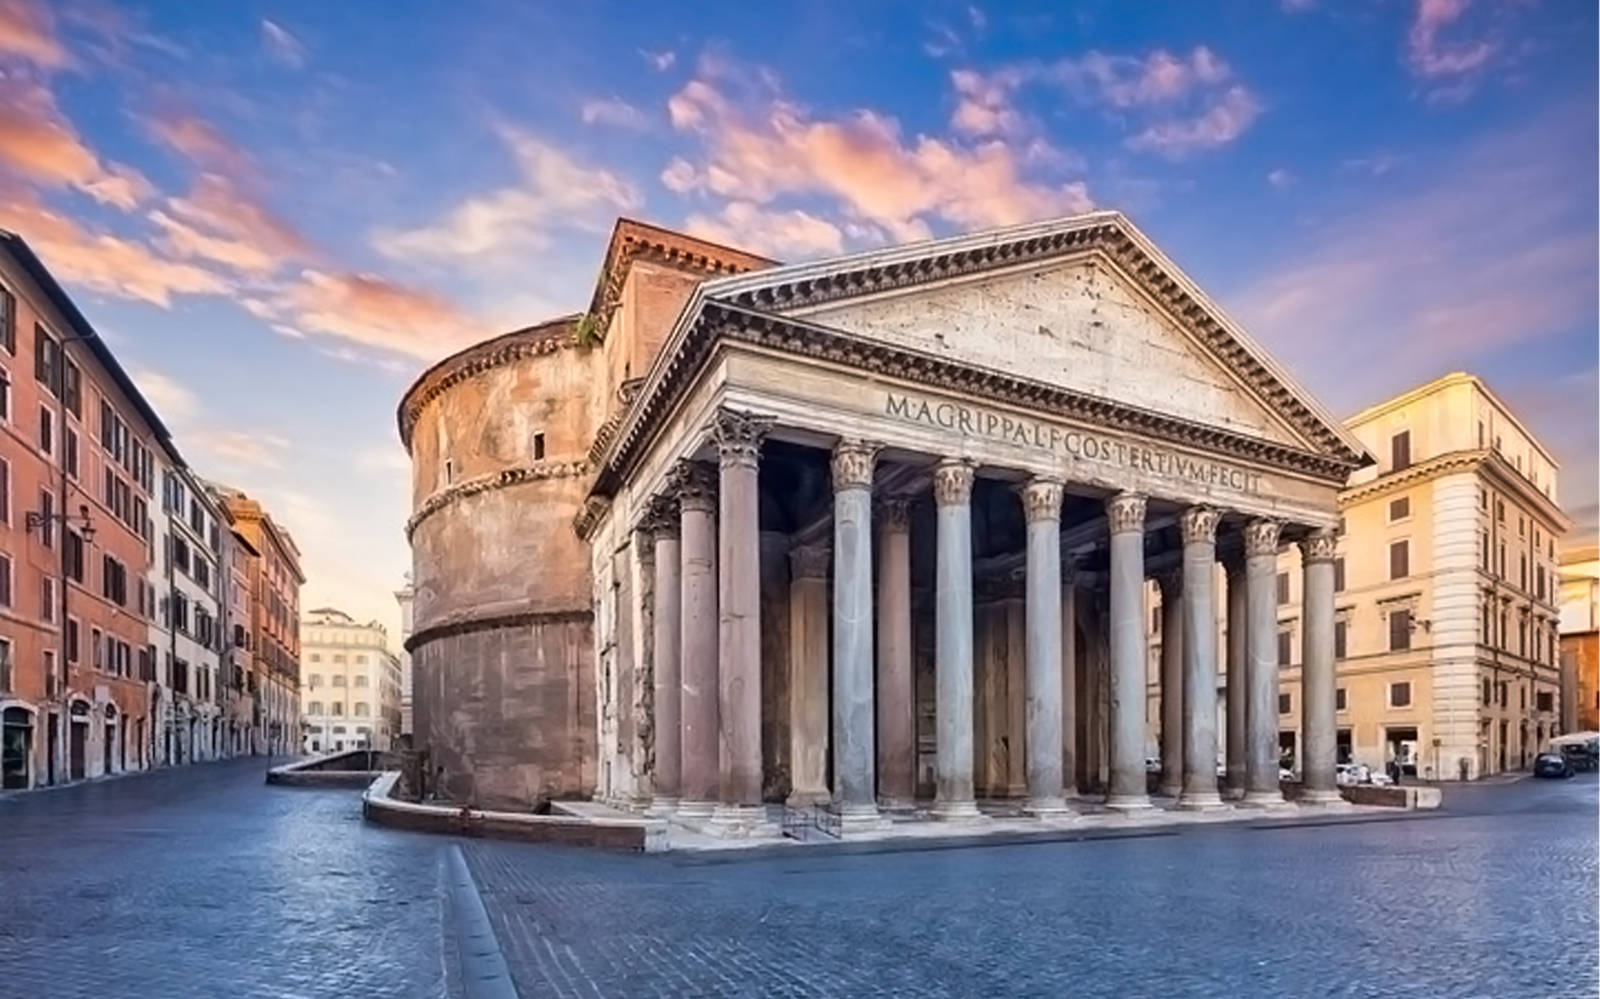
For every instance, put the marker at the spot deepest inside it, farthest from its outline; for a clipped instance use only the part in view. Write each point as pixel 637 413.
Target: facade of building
pixel 406 597
pixel 186 579
pixel 865 531
pixel 273 632
pixel 350 690
pixel 1580 639
pixel 242 708
pixel 1446 622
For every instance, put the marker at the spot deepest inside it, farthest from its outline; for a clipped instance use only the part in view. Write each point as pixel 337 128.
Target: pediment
pixel 1077 323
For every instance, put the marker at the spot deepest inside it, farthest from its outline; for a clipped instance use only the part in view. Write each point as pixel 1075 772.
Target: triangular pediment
pixel 1080 325
pixel 1085 304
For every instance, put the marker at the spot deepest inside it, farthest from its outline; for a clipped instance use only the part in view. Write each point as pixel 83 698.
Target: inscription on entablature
pixel 1099 448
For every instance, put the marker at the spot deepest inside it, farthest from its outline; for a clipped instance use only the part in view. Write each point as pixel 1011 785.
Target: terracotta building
pixel 1580 639
pixel 272 564
pixel 78 447
pixel 866 531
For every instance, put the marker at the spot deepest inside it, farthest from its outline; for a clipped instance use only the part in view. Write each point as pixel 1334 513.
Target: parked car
pixel 1551 765
pixel 1580 756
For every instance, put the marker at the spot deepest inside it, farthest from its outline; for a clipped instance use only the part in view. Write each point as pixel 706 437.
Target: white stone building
pixel 349 684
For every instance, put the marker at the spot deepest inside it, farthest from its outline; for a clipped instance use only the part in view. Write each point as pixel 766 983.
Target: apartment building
pixel 1446 628
pixel 350 698
pixel 187 579
pixel 241 702
pixel 273 639
pixel 78 450
pixel 1580 639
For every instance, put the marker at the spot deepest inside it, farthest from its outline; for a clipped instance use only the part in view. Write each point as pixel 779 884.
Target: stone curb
pixel 484 974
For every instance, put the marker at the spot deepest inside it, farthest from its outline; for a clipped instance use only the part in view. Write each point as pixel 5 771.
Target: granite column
pixel 952 492
pixel 897 741
pixel 696 486
pixel 1318 678
pixel 1199 527
pixel 1262 787
pixel 1128 791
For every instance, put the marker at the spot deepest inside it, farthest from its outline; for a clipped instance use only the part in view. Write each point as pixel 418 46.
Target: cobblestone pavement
pixel 203 881
pixel 1495 896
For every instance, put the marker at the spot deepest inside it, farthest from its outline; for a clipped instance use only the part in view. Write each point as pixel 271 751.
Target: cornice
pixel 718 323
pixel 545 338
pixel 516 619
pixel 1506 477
pixel 494 480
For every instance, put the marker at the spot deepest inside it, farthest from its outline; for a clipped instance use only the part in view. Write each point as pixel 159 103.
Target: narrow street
pixel 205 882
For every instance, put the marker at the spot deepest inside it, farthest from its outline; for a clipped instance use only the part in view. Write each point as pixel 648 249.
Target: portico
pixel 904 506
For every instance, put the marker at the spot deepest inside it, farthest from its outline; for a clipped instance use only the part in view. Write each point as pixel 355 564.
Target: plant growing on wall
pixel 587 332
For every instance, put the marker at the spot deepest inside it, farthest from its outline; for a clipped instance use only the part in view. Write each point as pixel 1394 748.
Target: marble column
pixel 1199 527
pixel 666 727
pixel 1069 680
pixel 897 729
pixel 1261 652
pixel 1318 678
pixel 1171 584
pixel 696 487
pixel 1237 698
pixel 1125 513
pixel 808 676
pixel 952 492
pixel 1041 502
pixel 738 438
pixel 854 743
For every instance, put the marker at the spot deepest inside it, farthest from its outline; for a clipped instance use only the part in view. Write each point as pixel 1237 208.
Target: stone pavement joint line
pixel 483 967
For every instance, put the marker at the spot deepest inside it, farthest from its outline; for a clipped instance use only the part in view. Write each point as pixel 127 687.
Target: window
pixel 361 659
pixel 1285 646
pixel 114 581
pixel 73 544
pixel 1487 695
pixel 47 599
pixel 72 640
pixel 1339 632
pixel 1400 509
pixel 449 471
pixel 336 708
pixel 1399 629
pixel 5 394
pixel 69 450
pixel 8 321
pixel 72 388
pixel 1500 510
pixel 1399 559
pixel 361 680
pixel 5 491
pixel 1400 694
pixel 1545 700
pixel 1400 451
pixel 538 446
pixel 314 681
pixel 1340 703
pixel 1338 574
pixel 1480 433
pixel 46 357
pixel 314 708
pixel 361 709
pixel 47 430
pixel 316 657
pixel 5 580
pixel 1285 704
pixel 97 648
pixel 338 680
pixel 5 664
pixel 47 514
pixel 1283 588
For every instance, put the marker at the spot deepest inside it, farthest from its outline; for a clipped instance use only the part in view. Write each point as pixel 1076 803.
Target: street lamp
pixel 82 521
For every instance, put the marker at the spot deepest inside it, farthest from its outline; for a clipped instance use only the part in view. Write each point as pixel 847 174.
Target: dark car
pixel 1551 765
pixel 1579 756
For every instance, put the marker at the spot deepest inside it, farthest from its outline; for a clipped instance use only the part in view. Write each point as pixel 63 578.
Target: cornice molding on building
pixel 1511 479
pixel 489 622
pixel 720 323
pixel 547 337
pixel 589 515
pixel 539 471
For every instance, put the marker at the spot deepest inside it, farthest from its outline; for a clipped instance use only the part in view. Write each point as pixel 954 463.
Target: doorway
pixel 16 748
pixel 1402 746
pixel 108 744
pixel 52 739
pixel 78 742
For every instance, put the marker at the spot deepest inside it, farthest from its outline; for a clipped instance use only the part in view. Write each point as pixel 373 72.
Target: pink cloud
pixel 765 147
pixel 39 145
pixel 1218 125
pixel 27 30
pixel 199 142
pixel 1431 57
pixel 791 235
pixel 371 310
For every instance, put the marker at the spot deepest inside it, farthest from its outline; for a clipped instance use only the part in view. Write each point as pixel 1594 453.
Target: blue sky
pixel 279 213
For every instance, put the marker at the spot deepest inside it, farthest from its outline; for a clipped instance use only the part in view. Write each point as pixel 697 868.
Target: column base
pixel 857 819
pixel 1201 801
pixel 740 821
pixel 694 810
pixel 806 799
pixel 965 810
pixel 1323 799
pixel 1232 792
pixel 1129 803
pixel 896 803
pixel 1169 790
pixel 1263 799
pixel 1054 808
pixel 661 807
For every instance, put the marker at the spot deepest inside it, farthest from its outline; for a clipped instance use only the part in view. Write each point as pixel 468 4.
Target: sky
pixel 279 213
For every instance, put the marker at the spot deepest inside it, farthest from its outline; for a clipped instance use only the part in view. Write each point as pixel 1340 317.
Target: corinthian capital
pixel 661 517
pixel 894 514
pixel 1125 512
pixel 739 435
pixel 1261 537
pixel 1318 545
pixel 1171 584
pixel 694 485
pixel 1199 525
pixel 810 561
pixel 853 462
pixel 952 482
pixel 1041 499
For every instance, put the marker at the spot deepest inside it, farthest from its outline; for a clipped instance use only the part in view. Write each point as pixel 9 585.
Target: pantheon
pixel 878 533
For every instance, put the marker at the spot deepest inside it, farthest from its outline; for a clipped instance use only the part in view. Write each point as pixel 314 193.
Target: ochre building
pixel 873 531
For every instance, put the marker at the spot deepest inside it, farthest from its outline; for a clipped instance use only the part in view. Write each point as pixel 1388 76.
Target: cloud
pixel 794 235
pixel 662 60
pixel 984 104
pixel 613 111
pixel 103 262
pixel 763 146
pixel 1129 82
pixel 555 192
pixel 281 45
pixel 1217 126
pixel 39 145
pixel 370 310
pixel 26 30
pixel 176 404
pixel 1428 55
pixel 199 142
